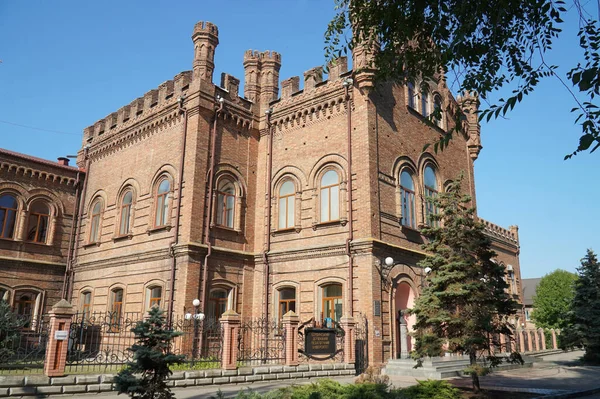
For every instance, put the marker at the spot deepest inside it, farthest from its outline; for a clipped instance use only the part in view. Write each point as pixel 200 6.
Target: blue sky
pixel 67 64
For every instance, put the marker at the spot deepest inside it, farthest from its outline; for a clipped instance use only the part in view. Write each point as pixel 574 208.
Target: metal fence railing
pixel 261 341
pixel 23 350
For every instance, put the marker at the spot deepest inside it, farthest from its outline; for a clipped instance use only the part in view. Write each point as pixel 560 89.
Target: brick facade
pixel 263 140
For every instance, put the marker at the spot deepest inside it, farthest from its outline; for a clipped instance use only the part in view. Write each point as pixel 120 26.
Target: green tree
pixel 553 298
pixel 464 303
pixel 585 312
pixel 482 46
pixel 145 377
pixel 10 330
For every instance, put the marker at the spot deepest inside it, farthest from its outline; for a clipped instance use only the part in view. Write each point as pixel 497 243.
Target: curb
pixel 573 394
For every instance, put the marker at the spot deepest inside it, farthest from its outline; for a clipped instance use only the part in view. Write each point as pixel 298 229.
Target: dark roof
pixel 38 160
pixel 529 287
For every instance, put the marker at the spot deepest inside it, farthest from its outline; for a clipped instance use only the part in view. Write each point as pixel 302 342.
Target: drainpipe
pixel 68 286
pixel 269 196
pixel 211 175
pixel 347 84
pixel 182 110
pixel 69 266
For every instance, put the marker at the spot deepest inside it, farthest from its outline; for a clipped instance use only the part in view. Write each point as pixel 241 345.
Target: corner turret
pixel 206 40
pixel 469 103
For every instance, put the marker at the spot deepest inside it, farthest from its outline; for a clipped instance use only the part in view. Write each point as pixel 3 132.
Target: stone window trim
pixel 343 206
pixel 318 294
pixel 82 308
pixel 18 216
pixel 275 205
pixel 121 208
pixel 52 217
pixel 146 304
pixel 95 217
pixel 221 179
pixel 40 297
pixel 227 286
pixel 168 197
pixel 276 288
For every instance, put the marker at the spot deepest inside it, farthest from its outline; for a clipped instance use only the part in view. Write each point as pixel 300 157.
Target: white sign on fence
pixel 61 335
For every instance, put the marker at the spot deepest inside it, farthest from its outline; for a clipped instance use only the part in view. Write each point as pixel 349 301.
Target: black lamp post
pixel 198 317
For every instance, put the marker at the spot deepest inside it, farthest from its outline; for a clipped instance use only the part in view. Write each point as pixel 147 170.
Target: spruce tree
pixel 586 308
pixel 145 377
pixel 464 303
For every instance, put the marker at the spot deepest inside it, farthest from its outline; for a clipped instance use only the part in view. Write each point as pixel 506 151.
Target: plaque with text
pixel 319 341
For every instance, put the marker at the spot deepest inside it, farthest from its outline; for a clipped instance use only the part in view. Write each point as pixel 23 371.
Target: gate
pixel 361 344
pixel 261 341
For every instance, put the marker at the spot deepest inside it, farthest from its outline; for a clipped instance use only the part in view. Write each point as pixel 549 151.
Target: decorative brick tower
pixel 206 40
pixel 252 75
pixel 269 78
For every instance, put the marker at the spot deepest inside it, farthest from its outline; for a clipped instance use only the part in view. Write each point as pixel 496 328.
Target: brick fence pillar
pixel 542 337
pixel 536 339
pixel 230 321
pixel 348 324
pixel 290 326
pixel 554 345
pixel 503 347
pixel 521 335
pixel 58 340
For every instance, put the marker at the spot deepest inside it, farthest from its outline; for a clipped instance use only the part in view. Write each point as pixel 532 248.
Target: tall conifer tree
pixel 464 303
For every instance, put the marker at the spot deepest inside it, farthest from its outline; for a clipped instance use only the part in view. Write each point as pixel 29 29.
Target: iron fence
pixel 23 350
pixel 261 341
pixel 100 341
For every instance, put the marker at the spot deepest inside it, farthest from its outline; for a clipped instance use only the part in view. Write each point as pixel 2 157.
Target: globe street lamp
pixel 198 317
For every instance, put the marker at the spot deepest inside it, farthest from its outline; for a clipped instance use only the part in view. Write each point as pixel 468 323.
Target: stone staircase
pixel 438 368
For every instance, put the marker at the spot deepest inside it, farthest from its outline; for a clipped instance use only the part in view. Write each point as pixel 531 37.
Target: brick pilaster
pixel 348 324
pixel 56 349
pixel 542 337
pixel 554 345
pixel 230 321
pixel 290 326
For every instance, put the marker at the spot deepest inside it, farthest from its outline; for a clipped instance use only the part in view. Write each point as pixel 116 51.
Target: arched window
pixel 8 215
pixel 411 95
pixel 431 191
pixel 407 194
pixel 437 106
pixel 330 196
pixel 154 295
pixel 86 304
pixel 161 217
pixel 37 228
pixel 26 306
pixel 116 309
pixel 225 204
pixel 287 301
pixel 286 205
pixel 125 223
pixel 332 303
pixel 95 221
pixel 218 301
pixel 425 103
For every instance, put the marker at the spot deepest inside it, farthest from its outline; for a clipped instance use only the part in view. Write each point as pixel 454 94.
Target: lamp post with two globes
pixel 198 317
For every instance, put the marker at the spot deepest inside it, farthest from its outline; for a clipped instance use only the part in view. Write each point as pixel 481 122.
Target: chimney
pixel 64 161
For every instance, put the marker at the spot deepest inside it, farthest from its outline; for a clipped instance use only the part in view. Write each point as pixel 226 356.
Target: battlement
pixel 255 55
pixel 151 102
pixel 510 235
pixel 205 28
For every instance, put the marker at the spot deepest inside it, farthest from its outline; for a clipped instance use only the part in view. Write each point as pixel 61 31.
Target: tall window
pixel 407 193
pixel 431 191
pixel 425 103
pixel 287 301
pixel 116 309
pixel 86 304
pixel 25 306
pixel 411 95
pixel 332 303
pixel 286 205
pixel 330 196
pixel 437 106
pixel 225 204
pixel 124 226
pixel 95 222
pixel 217 303
pixel 162 203
pixel 154 296
pixel 8 215
pixel 37 228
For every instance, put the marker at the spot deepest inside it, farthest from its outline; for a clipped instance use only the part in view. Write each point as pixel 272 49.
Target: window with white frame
pixel 407 197
pixel 425 103
pixel 86 304
pixel 219 300
pixel 163 197
pixel 287 300
pixel 431 191
pixel 331 303
pixel 225 203
pixel 287 199
pixel 154 296
pixel 125 214
pixel 95 217
pixel 330 196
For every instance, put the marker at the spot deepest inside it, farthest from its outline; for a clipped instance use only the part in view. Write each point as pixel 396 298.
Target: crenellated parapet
pixel 153 102
pixel 469 103
pixel 510 235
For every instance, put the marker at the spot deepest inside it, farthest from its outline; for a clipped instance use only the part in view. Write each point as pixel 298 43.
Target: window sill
pixel 282 232
pixel 225 228
pixel 157 229
pixel 91 244
pixel 410 229
pixel 330 223
pixel 123 237
pixel 36 243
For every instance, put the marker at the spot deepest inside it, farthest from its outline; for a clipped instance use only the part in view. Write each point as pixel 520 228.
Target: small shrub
pixel 429 389
pixel 373 375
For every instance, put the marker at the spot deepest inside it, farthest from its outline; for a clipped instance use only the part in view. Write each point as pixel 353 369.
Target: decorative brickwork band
pixel 290 326
pixel 230 321
pixel 348 324
pixel 56 349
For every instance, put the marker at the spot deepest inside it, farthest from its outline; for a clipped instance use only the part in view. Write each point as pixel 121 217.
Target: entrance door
pixel 404 299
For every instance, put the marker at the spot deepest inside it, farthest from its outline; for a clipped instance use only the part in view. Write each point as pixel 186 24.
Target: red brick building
pixel 264 203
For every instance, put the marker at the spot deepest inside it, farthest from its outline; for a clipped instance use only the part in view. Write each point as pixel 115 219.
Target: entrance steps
pixel 438 368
